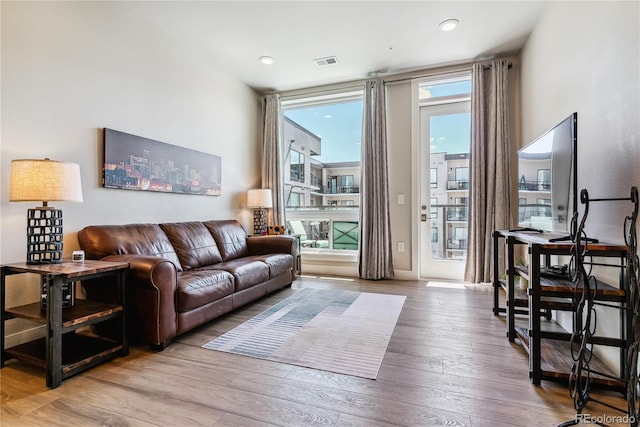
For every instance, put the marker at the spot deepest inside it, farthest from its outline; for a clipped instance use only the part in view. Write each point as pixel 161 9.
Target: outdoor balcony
pixel 448 231
pixel 457 185
pixel 325 227
pixel 455 213
pixel 534 186
pixel 341 189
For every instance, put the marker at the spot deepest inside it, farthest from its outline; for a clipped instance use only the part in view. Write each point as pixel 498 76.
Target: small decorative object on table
pixel 275 229
pixel 77 256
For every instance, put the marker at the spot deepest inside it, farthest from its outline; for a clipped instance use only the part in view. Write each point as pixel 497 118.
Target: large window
pixel 346 184
pixel 295 199
pixel 462 177
pixel 297 166
pixel 325 133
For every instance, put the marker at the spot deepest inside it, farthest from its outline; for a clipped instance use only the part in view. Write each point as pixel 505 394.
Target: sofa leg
pixel 160 347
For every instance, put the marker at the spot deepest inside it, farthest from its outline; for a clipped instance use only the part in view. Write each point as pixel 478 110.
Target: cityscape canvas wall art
pixel 135 163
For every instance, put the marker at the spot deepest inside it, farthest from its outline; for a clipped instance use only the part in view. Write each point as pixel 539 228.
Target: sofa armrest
pixel 148 271
pixel 273 244
pixel 151 286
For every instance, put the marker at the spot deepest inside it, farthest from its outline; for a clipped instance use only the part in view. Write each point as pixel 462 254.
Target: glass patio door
pixel 444 189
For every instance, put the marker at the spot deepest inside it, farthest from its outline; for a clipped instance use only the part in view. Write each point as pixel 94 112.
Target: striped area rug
pixel 339 331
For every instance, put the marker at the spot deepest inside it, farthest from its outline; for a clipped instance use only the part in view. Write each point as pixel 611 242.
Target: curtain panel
pixel 374 252
pixel 272 174
pixel 489 194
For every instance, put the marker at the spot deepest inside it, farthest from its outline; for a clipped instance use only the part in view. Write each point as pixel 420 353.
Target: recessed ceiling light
pixel 267 60
pixel 449 24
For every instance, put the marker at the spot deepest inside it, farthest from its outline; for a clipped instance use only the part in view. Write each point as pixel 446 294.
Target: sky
pixel 339 127
pixel 450 133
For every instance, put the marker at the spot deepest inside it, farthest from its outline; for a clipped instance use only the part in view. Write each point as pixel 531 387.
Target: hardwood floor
pixel 448 364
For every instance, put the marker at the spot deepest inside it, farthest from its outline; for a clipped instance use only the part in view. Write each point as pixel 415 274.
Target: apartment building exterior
pixel 449 193
pixel 323 199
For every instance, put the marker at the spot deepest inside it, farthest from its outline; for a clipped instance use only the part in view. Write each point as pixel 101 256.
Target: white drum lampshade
pixel 35 180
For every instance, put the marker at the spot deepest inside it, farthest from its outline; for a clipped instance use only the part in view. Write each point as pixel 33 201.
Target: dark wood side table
pixel 298 255
pixel 550 350
pixel 67 349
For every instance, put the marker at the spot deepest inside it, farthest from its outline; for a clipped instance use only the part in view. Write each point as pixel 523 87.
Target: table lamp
pixel 260 200
pixel 35 180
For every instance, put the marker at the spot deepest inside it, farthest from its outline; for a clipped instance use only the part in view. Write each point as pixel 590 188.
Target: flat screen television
pixel 547 180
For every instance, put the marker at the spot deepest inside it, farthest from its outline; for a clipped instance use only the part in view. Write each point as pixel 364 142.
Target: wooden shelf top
pixel 67 269
pixel 566 288
pixel 544 240
pixel 83 311
pixel 520 297
pixel 78 350
pixel 557 362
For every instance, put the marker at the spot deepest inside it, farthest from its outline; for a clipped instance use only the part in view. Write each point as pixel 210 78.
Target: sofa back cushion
pixel 193 244
pixel 99 241
pixel 230 237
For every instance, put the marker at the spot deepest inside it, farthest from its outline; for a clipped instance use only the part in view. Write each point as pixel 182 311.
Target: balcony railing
pixel 457 214
pixel 534 185
pixel 325 227
pixel 453 244
pixel 337 227
pixel 526 211
pixel 446 223
pixel 458 185
pixel 341 189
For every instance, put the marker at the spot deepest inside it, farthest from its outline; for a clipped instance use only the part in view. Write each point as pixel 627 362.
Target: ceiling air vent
pixel 323 62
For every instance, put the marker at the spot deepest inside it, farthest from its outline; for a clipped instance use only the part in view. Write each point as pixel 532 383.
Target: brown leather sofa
pixel 184 274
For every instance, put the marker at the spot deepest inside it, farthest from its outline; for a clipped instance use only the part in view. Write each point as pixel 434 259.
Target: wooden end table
pixel 66 350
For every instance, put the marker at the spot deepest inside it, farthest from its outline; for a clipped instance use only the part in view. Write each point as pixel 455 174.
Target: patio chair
pixel 307 240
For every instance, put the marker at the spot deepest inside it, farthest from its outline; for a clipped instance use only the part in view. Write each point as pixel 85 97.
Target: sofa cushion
pixel 230 237
pixel 99 241
pixel 193 244
pixel 277 263
pixel 197 288
pixel 247 272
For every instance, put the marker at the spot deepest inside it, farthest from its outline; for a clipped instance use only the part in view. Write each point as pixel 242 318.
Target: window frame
pixel 326 211
pixel 433 175
pixel 300 166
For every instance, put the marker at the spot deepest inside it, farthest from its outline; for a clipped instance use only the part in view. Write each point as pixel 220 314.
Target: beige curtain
pixel 489 195
pixel 272 157
pixel 374 251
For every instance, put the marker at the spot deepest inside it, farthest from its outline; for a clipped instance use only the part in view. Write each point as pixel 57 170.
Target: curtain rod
pixel 357 84
pixel 351 86
pixel 448 72
pixel 509 65
pixel 438 73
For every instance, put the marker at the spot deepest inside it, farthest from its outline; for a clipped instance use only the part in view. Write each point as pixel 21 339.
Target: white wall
pixel 584 57
pixel 70 69
pixel 401 165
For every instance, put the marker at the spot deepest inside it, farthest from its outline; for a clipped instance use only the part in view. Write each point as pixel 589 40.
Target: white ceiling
pixel 366 36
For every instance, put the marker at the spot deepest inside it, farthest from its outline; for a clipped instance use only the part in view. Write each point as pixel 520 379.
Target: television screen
pixel 547 187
